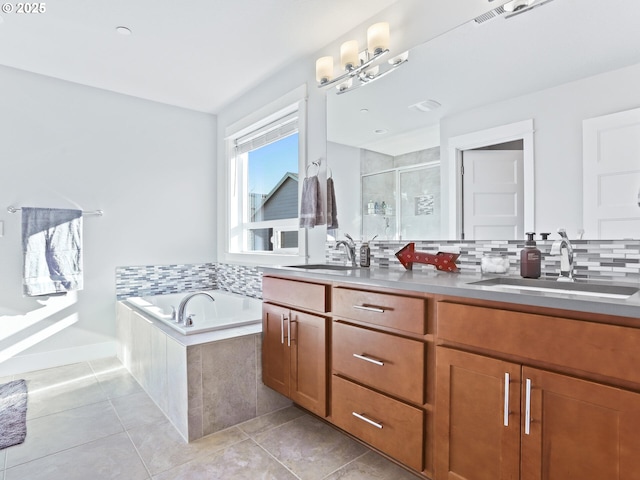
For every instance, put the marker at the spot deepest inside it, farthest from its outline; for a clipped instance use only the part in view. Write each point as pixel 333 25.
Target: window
pixel 264 165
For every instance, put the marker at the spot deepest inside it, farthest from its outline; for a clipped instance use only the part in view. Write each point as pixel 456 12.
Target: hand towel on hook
pixel 311 211
pixel 52 249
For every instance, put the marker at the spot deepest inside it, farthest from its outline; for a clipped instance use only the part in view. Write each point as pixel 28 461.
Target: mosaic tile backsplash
pixel 600 260
pixel 138 281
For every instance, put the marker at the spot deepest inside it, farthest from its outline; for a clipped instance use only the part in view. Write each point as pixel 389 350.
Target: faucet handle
pixel 188 322
pixel 174 314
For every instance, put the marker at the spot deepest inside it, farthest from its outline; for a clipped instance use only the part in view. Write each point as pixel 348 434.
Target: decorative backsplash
pixel 239 279
pixel 143 280
pixel 162 279
pixel 601 260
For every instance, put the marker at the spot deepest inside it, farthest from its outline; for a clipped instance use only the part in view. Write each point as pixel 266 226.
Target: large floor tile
pixel 137 409
pixel 62 430
pixel 244 460
pixel 310 448
pixel 162 448
pixel 61 388
pixel 267 422
pixel 114 378
pixel 372 466
pixel 109 458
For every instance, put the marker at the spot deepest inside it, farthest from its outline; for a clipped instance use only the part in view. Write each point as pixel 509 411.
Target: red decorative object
pixel 443 261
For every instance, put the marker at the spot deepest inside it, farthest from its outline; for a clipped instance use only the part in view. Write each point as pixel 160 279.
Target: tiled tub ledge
pixel 203 382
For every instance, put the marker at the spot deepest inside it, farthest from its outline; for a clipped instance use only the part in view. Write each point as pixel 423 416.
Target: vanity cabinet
pixel 501 416
pixel 378 356
pixel 294 341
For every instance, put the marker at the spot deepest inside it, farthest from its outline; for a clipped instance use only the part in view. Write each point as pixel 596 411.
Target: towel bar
pixel 11 209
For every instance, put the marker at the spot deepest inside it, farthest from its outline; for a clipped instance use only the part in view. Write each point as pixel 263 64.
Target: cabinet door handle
pixel 365 419
pixel 282 328
pixel 527 407
pixel 368 359
pixel 369 309
pixel 288 332
pixel 506 399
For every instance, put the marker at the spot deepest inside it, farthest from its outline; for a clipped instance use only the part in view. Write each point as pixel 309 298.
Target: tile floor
pixel 92 421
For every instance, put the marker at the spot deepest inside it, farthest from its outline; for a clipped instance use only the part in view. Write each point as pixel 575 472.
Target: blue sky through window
pixel 268 164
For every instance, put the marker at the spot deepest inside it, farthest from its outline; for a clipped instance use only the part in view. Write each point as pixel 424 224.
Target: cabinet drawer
pixel 602 349
pixel 311 296
pixel 385 362
pixel 386 424
pixel 394 311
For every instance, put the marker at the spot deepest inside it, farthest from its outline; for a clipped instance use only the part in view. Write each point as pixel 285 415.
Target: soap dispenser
pixel 530 258
pixel 365 253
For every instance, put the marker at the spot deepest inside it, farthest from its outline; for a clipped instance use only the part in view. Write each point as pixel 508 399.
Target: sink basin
pixel 552 286
pixel 323 266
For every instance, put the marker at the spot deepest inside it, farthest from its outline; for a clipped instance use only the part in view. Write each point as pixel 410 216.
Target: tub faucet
pixel 183 307
pixel 564 248
pixel 350 248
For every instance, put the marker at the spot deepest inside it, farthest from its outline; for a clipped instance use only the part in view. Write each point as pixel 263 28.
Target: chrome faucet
pixel 350 248
pixel 564 248
pixel 188 322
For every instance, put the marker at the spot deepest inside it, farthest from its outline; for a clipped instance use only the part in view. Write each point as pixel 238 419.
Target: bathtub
pixel 229 310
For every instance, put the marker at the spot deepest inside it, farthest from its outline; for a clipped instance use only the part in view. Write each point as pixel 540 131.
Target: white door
pixel 611 175
pixel 493 194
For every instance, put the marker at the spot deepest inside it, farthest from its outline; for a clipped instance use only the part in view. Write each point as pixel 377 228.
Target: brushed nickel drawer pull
pixel 367 359
pixel 365 419
pixel 369 309
pixel 527 407
pixel 506 399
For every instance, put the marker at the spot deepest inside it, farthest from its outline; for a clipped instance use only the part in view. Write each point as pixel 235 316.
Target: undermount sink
pixel 551 286
pixel 323 266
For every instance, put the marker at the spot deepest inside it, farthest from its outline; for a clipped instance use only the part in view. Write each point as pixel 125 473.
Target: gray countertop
pixel 460 285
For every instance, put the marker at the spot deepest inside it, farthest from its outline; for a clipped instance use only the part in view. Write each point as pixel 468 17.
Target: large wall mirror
pixel 525 84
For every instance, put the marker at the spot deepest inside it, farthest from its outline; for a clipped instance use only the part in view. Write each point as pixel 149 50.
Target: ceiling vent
pixel 496 12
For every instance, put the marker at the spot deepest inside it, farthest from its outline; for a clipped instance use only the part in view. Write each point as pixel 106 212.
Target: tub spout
pixel 183 307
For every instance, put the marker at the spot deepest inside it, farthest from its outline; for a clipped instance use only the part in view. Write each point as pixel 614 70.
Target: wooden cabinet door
pixel 578 429
pixel 275 349
pixel 475 439
pixel 309 361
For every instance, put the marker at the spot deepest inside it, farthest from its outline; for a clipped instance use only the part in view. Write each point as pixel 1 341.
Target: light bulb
pixel 349 55
pixel 324 69
pixel 378 38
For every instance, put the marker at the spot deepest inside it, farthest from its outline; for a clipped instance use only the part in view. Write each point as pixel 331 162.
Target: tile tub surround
pixel 597 260
pixel 201 386
pixel 136 281
pixel 117 432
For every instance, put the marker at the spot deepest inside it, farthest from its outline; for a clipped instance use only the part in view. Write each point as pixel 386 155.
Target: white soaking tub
pixel 227 311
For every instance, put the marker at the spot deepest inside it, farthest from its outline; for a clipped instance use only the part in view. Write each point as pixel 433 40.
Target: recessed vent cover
pixel 496 12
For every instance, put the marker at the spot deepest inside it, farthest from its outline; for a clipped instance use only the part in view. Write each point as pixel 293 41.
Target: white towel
pixel 311 211
pixel 332 209
pixel 52 249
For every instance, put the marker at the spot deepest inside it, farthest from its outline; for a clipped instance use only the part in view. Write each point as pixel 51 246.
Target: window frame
pixel 233 201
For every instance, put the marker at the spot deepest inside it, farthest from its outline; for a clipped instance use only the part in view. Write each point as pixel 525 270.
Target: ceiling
pixel 479 64
pixel 199 55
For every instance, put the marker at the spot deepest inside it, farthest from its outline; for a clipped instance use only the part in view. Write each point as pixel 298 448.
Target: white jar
pixel 494 263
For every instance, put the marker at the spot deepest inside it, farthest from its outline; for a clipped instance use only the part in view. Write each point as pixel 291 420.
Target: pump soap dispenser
pixel 530 258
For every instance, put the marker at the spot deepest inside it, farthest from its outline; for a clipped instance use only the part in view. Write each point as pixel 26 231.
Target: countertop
pixel 460 285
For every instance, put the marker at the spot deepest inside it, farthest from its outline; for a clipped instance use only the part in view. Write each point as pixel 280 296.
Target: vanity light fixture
pixel 360 67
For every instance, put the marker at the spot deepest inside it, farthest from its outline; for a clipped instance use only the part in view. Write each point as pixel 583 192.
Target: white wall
pixel 150 167
pixel 558 113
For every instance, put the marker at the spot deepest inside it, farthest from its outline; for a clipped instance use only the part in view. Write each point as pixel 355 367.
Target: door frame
pixel 483 138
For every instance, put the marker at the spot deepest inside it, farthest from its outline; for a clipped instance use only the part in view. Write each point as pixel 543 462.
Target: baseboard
pixel 55 358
